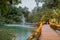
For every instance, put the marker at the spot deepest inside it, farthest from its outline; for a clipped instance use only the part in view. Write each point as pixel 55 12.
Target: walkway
pixel 48 33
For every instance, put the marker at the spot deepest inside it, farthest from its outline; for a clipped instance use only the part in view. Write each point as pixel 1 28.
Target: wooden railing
pixel 36 34
pixel 58 25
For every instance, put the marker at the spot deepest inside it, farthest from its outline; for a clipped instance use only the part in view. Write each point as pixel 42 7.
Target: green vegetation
pixel 10 14
pixel 50 10
pixel 6 34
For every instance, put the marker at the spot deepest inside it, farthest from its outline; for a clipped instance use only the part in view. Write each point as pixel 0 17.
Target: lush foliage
pixel 49 10
pixel 9 13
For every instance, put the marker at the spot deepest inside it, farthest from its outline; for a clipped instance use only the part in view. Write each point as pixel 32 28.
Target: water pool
pixel 22 32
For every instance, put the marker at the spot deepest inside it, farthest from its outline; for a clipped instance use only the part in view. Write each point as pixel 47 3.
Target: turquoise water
pixel 22 32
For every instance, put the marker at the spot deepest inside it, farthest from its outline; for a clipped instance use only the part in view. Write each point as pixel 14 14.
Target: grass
pixel 6 34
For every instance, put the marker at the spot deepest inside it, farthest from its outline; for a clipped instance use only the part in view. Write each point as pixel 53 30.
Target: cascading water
pixel 23 20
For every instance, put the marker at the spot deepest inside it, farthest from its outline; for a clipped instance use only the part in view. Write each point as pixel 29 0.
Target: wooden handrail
pixel 54 24
pixel 36 33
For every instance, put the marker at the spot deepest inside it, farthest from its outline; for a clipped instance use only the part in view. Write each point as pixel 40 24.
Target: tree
pixel 47 10
pixel 53 5
pixel 8 10
pixel 4 4
pixel 36 16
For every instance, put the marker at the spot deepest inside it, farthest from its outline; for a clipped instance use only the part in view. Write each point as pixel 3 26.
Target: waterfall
pixel 23 19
